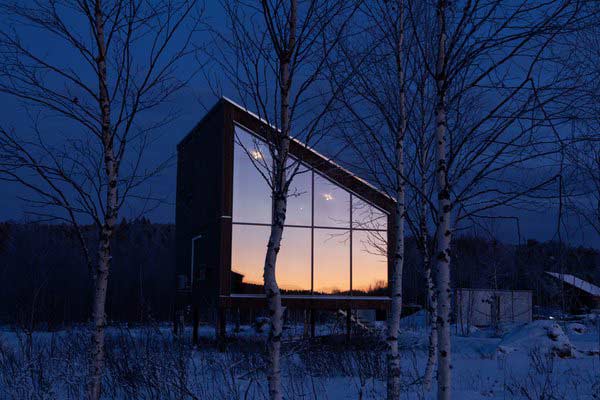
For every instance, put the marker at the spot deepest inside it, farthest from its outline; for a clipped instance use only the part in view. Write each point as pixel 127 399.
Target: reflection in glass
pixel 365 216
pixel 329 205
pixel 332 261
pixel 248 247
pixel 332 204
pixel 369 263
pixel 251 193
pixel 299 195
pixel 293 261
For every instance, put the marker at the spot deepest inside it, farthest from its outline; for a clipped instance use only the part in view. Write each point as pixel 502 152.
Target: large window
pixel 369 263
pixel 249 244
pixel 252 196
pixel 332 204
pixel 333 242
pixel 332 261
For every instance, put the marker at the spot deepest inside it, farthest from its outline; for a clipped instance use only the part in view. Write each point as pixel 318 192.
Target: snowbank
pixel 544 335
pixel 577 328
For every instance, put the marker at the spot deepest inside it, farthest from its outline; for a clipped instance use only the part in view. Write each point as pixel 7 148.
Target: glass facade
pixel 249 244
pixel 332 261
pixel 332 204
pixel 299 206
pixel 334 243
pixel 251 193
pixel 369 263
pixel 365 216
pixel 293 261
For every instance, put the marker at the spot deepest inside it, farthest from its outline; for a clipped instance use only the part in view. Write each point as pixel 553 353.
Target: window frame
pixel 313 172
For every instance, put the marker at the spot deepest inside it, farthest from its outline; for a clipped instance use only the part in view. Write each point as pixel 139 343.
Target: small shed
pixel 490 307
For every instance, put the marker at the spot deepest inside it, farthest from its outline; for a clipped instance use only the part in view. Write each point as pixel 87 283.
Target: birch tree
pixel 582 150
pixel 389 102
pixel 375 98
pixel 489 57
pixel 421 211
pixel 117 62
pixel 274 58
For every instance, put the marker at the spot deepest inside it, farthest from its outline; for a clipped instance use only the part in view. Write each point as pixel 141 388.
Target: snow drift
pixel 543 335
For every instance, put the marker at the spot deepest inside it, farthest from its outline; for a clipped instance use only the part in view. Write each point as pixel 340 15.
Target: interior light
pixel 328 197
pixel 257 155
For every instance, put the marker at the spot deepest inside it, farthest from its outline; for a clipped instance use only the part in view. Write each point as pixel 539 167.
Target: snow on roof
pixel 328 159
pixel 572 280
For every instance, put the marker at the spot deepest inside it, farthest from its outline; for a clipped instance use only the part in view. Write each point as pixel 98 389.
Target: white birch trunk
pixel 274 297
pixel 432 316
pixel 393 356
pixel 443 228
pixel 279 206
pixel 110 217
pixel 425 254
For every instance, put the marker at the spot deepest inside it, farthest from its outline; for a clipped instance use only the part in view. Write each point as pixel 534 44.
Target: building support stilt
pixel 221 328
pixel 312 323
pixel 195 324
pixel 348 324
pixel 306 324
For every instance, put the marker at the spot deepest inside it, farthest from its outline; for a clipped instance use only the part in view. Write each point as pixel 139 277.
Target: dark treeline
pixel 45 281
pixel 483 263
pixel 46 284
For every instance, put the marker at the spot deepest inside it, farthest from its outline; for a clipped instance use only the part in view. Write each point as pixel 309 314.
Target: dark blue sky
pixel 192 104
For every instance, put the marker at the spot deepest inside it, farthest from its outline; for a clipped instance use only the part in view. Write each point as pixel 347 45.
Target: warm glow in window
pixel 332 261
pixel 249 244
pixel 369 263
pixel 334 243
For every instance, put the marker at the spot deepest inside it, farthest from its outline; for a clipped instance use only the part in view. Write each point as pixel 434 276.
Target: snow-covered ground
pixel 541 360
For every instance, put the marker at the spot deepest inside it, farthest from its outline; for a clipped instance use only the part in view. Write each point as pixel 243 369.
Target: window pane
pixel 332 261
pixel 365 216
pixel 332 204
pixel 293 261
pixel 248 249
pixel 299 196
pixel 251 193
pixel 369 263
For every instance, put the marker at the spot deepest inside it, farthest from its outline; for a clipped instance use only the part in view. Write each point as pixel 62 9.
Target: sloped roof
pixel 330 169
pixel 312 149
pixel 572 280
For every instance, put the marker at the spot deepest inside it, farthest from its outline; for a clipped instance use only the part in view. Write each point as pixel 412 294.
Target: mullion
pixel 351 198
pixel 309 226
pixel 312 231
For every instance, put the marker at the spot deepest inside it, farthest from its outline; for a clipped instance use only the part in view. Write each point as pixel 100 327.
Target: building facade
pixel 336 248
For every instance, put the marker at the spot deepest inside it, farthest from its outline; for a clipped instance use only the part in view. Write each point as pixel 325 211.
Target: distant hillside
pixel 46 283
pixel 45 279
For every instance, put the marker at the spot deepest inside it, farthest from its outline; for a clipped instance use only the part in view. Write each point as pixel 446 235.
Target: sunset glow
pixel 323 268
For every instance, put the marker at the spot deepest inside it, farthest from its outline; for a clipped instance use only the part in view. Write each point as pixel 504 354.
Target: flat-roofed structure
pixel 338 234
pixel 490 307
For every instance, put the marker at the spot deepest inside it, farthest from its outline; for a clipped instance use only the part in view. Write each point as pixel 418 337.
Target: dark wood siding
pixel 204 204
pixel 199 206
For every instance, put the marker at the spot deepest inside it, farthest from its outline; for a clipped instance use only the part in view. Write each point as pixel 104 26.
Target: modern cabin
pixel 338 236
